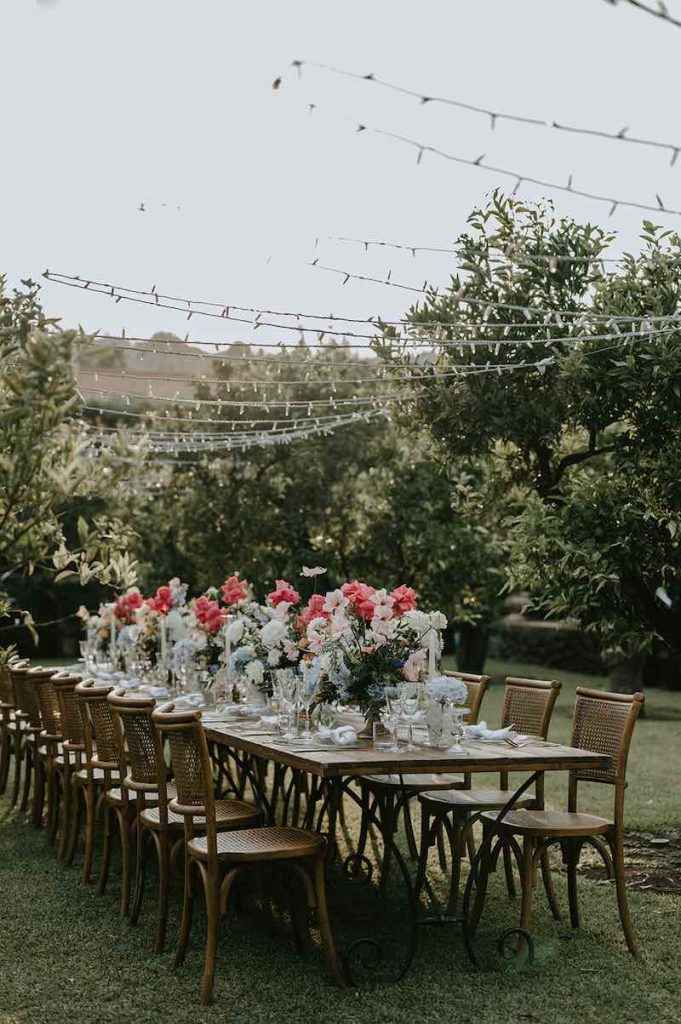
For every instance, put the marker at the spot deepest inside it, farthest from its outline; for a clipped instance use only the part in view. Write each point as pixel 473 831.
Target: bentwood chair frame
pixel 48 775
pixel 99 783
pixel 298 850
pixel 528 706
pixel 72 758
pixel 25 728
pixel 602 722
pixel 146 777
pixel 7 713
pixel 386 796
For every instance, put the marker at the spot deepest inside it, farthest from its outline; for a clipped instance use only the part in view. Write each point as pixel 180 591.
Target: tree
pixel 585 420
pixel 52 489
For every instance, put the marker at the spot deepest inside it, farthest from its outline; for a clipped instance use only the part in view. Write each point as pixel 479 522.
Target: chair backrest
pixel 25 697
pixel 41 678
pixel 477 688
pixel 141 748
pixel 528 704
pixel 604 722
pixel 6 691
pixel 98 725
pixel 191 766
pixel 71 719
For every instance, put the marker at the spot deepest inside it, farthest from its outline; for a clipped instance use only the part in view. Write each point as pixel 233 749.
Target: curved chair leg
pixel 209 875
pixel 527 882
pixel 65 810
pixel 364 823
pixel 481 881
pixel 187 913
pixel 324 923
pixel 39 789
pixel 409 827
pixel 5 751
pixel 89 797
pixel 547 879
pixel 138 891
pixel 53 794
pixel 508 869
pixel 19 766
pixel 29 769
pixel 573 851
pixel 386 810
pixel 124 825
pixel 622 901
pixel 163 890
pixel 424 846
pixel 77 798
pixel 106 851
pixel 454 831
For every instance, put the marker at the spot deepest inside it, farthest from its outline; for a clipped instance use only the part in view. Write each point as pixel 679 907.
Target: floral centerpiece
pixel 265 637
pixel 201 646
pixel 368 639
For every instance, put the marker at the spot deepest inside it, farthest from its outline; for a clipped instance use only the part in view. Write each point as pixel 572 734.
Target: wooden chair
pixel 298 850
pixel 602 722
pixel 98 783
pixel 146 779
pixel 7 716
pixel 388 795
pixel 48 774
pixel 24 728
pixel 528 706
pixel 72 757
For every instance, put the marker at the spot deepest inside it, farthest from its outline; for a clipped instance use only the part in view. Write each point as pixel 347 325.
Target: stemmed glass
pixel 304 698
pixel 286 689
pixel 409 710
pixel 389 717
pixel 87 653
pixel 457 713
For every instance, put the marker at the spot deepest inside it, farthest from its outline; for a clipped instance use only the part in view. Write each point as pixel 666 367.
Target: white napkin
pixel 269 719
pixel 343 736
pixel 481 732
pixel 158 691
pixel 193 700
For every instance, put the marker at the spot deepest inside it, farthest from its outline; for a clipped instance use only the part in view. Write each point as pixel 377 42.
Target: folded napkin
pixel 343 736
pixel 481 732
pixel 158 691
pixel 192 700
pixel 269 719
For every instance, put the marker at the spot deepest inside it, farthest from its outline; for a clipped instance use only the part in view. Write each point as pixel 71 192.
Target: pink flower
pixel 283 592
pixel 359 595
pixel 124 608
pixel 405 599
pixel 234 589
pixel 313 610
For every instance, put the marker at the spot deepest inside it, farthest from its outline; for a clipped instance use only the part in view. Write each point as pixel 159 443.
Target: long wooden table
pixel 334 767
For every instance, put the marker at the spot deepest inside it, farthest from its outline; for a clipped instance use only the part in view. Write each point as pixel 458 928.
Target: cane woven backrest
pixel 146 769
pixel 477 687
pixel 98 724
pixel 25 697
pixel 72 731
pixel 604 723
pixel 47 700
pixel 528 705
pixel 189 758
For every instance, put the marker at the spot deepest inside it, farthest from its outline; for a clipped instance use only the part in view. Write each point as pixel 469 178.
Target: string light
pixel 494 116
pixel 518 177
pixel 657 12
pixel 137 295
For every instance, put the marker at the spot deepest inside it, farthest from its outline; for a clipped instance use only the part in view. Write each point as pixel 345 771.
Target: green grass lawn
pixel 65 953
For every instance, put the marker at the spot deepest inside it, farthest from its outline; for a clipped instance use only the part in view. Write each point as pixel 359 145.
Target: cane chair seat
pixel 98 774
pixel 228 814
pixel 416 783
pixel 472 800
pixel 254 844
pixel 558 824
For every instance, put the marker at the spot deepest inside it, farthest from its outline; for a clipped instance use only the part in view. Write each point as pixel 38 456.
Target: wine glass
pixel 409 710
pixel 304 698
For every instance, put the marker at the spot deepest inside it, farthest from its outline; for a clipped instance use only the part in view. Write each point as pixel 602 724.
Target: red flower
pixel 234 589
pixel 405 599
pixel 358 595
pixel 283 592
pixel 209 614
pixel 124 609
pixel 162 602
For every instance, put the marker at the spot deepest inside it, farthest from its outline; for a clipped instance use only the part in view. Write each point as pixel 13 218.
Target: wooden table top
pixel 362 759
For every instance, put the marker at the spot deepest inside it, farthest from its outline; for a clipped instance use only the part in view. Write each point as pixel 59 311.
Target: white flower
pixel 334 600
pixel 438 620
pixel 291 650
pixel 255 672
pixel 447 688
pixel 199 639
pixel 234 631
pixel 273 633
pixel 311 573
pixel 273 658
pixel 176 624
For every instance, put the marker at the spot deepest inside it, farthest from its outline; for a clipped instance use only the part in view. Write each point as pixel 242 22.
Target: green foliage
pixel 591 439
pixel 47 474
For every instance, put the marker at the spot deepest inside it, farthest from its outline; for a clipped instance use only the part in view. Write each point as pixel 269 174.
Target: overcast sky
pixel 112 103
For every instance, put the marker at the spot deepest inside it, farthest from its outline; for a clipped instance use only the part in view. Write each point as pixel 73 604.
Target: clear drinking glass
pixel 389 720
pixel 457 731
pixel 304 699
